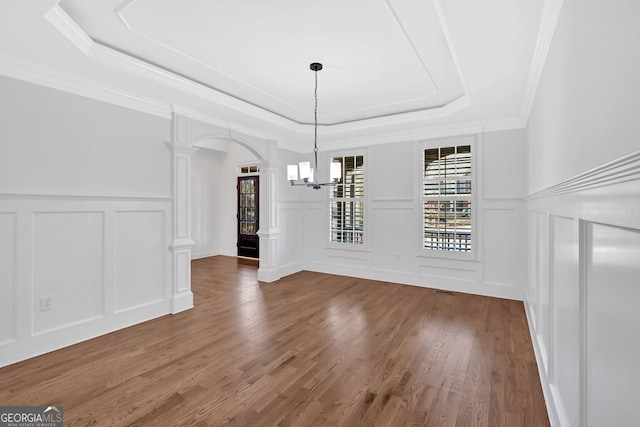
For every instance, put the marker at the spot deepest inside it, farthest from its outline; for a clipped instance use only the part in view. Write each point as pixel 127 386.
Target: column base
pixel 268 274
pixel 181 302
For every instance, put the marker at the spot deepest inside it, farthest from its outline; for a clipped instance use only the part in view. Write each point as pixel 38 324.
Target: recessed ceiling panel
pixel 381 57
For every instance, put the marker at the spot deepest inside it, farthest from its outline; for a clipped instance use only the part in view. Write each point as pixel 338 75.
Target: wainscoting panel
pixel 7 276
pixel 140 251
pixel 532 281
pixel 503 261
pixel 75 267
pixel 566 318
pixel 68 268
pixel 583 293
pixel 290 241
pixel 386 226
pixel 612 326
pixel 543 291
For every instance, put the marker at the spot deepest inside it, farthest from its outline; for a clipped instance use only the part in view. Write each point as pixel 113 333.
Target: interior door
pixel 248 216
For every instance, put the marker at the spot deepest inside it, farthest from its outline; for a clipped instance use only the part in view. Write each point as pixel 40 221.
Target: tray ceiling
pixel 393 69
pixel 380 57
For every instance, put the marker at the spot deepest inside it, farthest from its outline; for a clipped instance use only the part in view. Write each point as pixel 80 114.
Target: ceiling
pixel 393 69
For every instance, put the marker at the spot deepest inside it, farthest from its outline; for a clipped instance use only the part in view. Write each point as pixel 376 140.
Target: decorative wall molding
pixel 547 392
pixel 550 15
pixel 626 168
pixel 44 76
pixel 39 197
pixel 336 134
pixel 68 27
pixel 201 255
pixel 437 22
pixel 608 197
pixel 49 233
pixel 505 123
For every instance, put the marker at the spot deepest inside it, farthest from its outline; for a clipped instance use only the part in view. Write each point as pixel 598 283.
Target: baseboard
pixel 476 287
pixel 289 269
pixel 182 302
pixel 36 345
pixel 268 275
pixel 200 255
pixel 552 408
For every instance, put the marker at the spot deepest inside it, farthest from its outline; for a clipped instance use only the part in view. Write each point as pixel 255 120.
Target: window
pixel 446 199
pixel 249 169
pixel 346 202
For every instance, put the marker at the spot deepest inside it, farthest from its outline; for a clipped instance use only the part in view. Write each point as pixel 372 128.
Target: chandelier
pixel 308 176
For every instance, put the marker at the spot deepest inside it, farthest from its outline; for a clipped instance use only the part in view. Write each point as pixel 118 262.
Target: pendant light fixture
pixel 308 176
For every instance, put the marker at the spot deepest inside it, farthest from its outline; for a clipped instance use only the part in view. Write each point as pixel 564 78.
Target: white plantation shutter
pixel 346 202
pixel 446 198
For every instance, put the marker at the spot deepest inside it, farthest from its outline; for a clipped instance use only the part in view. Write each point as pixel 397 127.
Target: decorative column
pixel 269 231
pixel 181 244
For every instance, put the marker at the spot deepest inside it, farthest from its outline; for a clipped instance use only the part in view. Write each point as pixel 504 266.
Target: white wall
pixel 584 227
pixel 393 209
pixel 206 210
pixel 85 219
pixel 56 143
pixel 586 107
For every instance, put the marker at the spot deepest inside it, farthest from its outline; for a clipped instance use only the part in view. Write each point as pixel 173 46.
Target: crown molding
pixel 287 132
pixel 418 134
pixel 550 15
pixel 68 27
pixel 623 169
pixel 21 69
pixel 223 127
pixel 505 123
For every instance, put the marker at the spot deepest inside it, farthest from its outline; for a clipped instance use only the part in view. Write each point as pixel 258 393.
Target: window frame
pixel 364 247
pixel 471 255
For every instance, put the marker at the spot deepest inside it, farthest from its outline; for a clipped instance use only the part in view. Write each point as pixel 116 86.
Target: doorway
pixel 248 190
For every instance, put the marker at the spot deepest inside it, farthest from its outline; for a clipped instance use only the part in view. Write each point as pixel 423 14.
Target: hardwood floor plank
pixel 308 350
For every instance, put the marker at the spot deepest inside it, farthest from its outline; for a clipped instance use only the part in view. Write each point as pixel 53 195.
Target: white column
pixel 268 231
pixel 181 244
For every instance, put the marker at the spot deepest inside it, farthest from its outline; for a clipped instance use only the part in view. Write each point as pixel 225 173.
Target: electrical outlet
pixel 46 303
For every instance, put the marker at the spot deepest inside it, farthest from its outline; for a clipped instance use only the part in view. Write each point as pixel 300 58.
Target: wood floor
pixel 308 350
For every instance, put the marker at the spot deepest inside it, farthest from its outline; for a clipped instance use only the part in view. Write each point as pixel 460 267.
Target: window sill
pixel 450 255
pixel 348 247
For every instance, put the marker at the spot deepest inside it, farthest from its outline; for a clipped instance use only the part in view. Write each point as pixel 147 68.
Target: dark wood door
pixel 248 216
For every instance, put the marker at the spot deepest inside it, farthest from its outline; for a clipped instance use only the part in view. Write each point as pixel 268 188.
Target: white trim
pixel 546 388
pixel 475 197
pixel 623 169
pixel 366 238
pixel 44 76
pixel 68 27
pixel 550 14
pixel 181 244
pixel 22 196
pixel 505 123
pixel 181 302
pixel 208 254
pixel 268 275
pixel 337 135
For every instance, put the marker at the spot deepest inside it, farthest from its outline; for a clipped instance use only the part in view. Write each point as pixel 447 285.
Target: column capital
pixel 181 243
pixel 181 149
